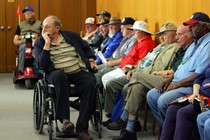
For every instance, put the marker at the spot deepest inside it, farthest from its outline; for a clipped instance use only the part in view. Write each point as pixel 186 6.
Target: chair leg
pixel 153 126
pixel 145 116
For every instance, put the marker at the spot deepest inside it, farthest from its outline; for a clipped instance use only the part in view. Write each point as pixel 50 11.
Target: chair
pixel 146 108
pixel 44 109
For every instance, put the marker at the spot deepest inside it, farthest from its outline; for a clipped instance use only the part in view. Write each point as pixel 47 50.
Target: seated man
pixel 93 35
pixel 144 45
pixel 195 59
pixel 67 59
pixel 30 24
pixel 158 59
pixel 141 82
pixel 115 37
pixel 123 49
pixel 103 15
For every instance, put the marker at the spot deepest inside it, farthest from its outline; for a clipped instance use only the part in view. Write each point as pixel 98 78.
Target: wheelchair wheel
pixel 39 106
pixel 96 119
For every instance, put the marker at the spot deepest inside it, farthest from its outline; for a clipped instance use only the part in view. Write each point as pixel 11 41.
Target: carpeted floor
pixel 16 115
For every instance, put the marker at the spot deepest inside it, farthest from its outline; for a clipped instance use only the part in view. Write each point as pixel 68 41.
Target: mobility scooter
pixel 30 73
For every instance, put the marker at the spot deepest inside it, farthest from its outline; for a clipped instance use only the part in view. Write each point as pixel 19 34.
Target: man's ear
pixel 205 27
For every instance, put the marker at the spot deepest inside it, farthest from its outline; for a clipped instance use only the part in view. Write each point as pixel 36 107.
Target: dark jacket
pixel 42 57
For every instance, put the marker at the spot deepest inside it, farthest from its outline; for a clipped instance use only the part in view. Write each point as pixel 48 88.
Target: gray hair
pixel 207 24
pixel 57 21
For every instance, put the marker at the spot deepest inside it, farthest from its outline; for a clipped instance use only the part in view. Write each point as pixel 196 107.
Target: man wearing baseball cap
pixel 115 37
pixel 122 50
pixel 196 58
pixel 91 29
pixel 29 24
pixel 103 15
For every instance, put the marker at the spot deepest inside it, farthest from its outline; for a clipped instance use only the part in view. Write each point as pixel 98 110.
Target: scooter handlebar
pixel 28 36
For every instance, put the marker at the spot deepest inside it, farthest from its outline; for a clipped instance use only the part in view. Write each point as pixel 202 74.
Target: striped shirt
pixel 65 57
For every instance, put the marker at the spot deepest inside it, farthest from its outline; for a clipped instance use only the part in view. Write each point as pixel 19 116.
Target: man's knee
pixel 200 120
pixel 150 96
pixel 162 104
pixel 57 76
pixel 109 84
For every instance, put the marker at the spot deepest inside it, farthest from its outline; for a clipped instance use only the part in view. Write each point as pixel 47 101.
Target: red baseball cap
pixel 196 17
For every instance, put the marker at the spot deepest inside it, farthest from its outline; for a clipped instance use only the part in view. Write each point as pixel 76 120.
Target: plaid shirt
pixel 149 57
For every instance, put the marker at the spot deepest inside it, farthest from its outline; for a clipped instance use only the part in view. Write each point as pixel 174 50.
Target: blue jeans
pixel 158 102
pixel 21 56
pixel 203 122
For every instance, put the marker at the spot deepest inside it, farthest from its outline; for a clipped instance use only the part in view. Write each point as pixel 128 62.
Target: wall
pixel 154 12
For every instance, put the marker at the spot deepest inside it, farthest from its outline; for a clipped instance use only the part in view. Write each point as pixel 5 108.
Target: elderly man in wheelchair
pixel 67 59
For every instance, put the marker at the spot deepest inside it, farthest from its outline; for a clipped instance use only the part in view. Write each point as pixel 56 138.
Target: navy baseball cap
pixel 127 20
pixel 196 17
pixel 28 8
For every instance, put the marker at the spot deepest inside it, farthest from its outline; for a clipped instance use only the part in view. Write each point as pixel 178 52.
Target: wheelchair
pixel 44 110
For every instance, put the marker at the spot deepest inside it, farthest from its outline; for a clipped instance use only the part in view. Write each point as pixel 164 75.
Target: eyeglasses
pixel 47 26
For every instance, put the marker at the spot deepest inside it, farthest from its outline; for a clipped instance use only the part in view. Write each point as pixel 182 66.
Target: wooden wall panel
pixel 2 36
pixel 71 12
pixel 154 12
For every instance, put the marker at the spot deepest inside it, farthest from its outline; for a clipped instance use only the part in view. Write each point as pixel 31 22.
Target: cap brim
pixel 131 28
pixel 27 10
pixel 190 22
pixel 159 33
pixel 113 24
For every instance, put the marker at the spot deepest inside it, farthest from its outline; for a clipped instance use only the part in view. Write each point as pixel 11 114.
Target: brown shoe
pixel 84 136
pixel 119 124
pixel 68 127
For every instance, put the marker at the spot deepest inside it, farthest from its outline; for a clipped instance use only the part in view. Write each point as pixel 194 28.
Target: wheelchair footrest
pixel 72 134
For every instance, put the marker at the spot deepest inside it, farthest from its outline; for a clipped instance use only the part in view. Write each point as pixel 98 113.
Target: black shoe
pixel 105 123
pixel 126 135
pixel 137 126
pixel 119 124
pixel 108 115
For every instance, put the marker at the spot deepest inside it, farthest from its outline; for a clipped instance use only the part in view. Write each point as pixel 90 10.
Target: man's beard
pixel 111 34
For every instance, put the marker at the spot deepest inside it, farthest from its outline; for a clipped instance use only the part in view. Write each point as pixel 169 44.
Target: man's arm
pixel 183 83
pixel 17 41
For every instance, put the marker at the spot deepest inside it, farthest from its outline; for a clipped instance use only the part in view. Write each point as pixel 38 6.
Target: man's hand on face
pixel 46 37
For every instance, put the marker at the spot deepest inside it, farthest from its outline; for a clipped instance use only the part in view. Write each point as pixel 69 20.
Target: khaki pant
pixel 138 87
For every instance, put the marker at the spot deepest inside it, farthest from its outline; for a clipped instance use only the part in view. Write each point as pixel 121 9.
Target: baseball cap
pixel 169 26
pixel 104 13
pixel 28 8
pixel 127 20
pixel 196 17
pixel 90 20
pixel 102 22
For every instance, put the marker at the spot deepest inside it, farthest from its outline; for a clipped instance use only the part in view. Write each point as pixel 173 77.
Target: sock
pixel 124 115
pixel 65 120
pixel 130 125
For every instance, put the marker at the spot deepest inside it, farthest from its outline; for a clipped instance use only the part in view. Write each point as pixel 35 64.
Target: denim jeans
pixel 158 102
pixel 203 122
